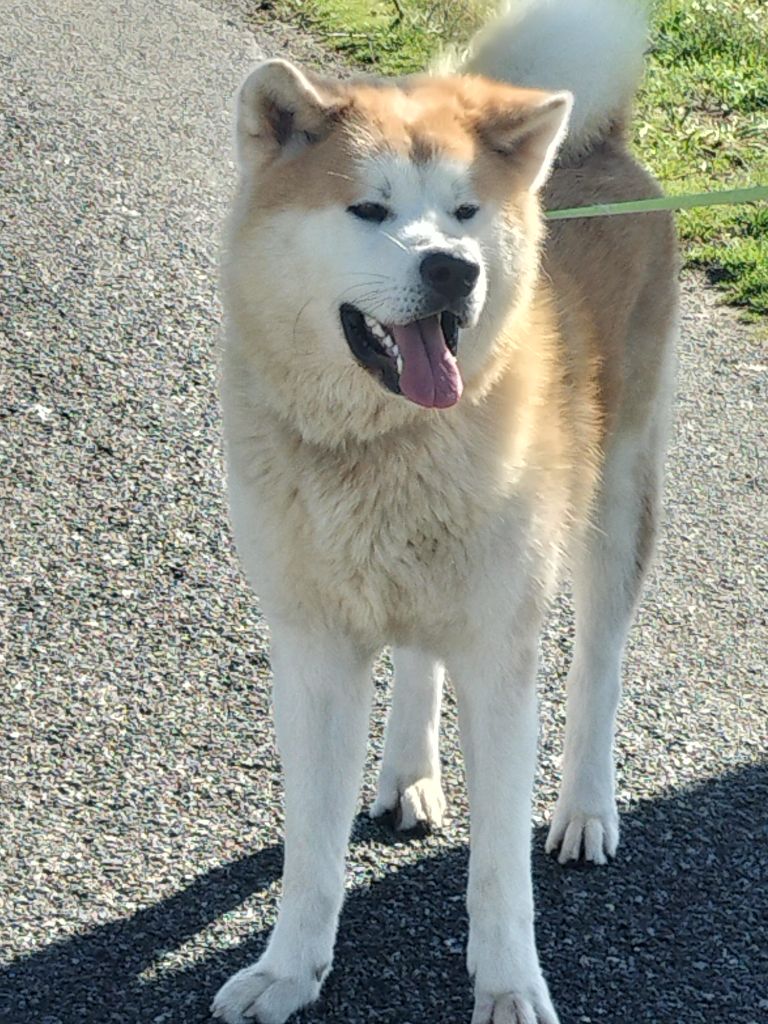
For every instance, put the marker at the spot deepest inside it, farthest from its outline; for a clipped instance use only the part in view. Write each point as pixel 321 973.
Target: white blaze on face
pixel 422 200
pixel 421 203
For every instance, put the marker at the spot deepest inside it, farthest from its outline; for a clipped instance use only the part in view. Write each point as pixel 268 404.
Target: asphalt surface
pixel 140 841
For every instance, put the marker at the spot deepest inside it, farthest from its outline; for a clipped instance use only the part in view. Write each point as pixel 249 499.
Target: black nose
pixel 450 276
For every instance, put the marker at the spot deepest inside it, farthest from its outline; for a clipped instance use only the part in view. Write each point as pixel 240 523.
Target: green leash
pixel 756 194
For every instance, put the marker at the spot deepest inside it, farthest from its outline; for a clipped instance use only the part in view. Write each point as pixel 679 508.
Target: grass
pixel 703 123
pixel 391 37
pixel 702 117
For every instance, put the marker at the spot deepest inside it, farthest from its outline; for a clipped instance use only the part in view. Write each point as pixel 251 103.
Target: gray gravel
pixel 140 844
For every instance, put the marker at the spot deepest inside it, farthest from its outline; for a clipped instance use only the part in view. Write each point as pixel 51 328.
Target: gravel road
pixel 140 841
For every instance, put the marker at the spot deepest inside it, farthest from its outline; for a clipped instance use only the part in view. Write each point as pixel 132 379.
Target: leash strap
pixel 756 194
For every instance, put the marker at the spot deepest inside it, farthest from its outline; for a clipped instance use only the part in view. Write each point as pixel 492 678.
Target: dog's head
pixel 382 232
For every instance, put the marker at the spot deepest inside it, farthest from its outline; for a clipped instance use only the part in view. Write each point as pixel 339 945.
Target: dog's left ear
pixel 529 133
pixel 280 110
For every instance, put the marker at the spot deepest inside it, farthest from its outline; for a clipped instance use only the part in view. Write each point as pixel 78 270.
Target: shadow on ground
pixel 674 932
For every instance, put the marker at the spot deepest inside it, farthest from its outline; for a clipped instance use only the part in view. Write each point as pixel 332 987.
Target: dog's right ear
pixel 279 111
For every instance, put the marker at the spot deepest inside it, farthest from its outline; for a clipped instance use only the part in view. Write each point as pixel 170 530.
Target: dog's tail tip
pixel 592 48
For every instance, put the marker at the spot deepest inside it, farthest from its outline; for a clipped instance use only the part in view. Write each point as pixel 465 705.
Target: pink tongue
pixel 430 374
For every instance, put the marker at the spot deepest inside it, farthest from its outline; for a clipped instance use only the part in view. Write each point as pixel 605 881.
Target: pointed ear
pixel 279 110
pixel 529 135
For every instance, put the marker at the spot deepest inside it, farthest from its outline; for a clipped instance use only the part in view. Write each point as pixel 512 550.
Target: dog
pixel 431 404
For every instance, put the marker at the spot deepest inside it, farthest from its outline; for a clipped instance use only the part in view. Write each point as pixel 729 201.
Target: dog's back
pixel 616 275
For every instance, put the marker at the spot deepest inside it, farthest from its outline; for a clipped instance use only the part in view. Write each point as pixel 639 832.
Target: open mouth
pixel 417 360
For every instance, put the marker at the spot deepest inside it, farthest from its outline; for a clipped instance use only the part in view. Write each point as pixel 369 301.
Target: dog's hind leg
pixel 608 576
pixel 409 792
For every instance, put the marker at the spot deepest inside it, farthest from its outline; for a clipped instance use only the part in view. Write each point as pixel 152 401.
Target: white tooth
pixel 399 363
pixel 395 350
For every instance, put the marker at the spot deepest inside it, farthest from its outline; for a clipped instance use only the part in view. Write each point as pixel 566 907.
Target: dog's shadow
pixel 674 932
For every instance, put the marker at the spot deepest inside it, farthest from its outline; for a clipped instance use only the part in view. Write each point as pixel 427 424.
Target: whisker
pixel 394 240
pixel 298 317
pixel 359 299
pixel 362 299
pixel 371 288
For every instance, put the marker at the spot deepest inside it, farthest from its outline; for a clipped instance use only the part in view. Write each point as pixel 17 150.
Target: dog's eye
pixel 369 211
pixel 465 212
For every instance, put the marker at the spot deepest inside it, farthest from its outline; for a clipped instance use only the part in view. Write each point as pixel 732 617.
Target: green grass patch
pixel 703 124
pixel 702 118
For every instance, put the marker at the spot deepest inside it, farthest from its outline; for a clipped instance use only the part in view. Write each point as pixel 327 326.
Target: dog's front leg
pixel 498 723
pixel 322 693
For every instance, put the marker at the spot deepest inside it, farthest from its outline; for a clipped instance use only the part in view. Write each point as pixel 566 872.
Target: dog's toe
pixel 578 835
pixel 255 995
pixel 417 808
pixel 513 1008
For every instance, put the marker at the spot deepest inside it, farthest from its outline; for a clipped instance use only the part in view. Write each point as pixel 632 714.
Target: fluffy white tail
pixel 592 48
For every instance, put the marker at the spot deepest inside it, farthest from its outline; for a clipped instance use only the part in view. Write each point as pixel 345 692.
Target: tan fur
pixel 363 505
pixel 622 271
pixel 423 118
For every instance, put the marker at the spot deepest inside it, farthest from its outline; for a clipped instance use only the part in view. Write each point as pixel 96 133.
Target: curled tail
pixel 592 48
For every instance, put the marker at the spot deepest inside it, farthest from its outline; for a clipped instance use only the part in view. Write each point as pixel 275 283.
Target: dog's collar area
pixel 389 352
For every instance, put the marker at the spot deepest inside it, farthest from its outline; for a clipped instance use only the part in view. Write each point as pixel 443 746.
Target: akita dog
pixel 429 399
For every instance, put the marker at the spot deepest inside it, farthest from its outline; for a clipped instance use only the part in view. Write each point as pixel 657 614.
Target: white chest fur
pixel 386 541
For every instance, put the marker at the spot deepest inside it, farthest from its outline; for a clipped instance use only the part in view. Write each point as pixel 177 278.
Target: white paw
pixel 514 1008
pixel 257 994
pixel 419 806
pixel 581 829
